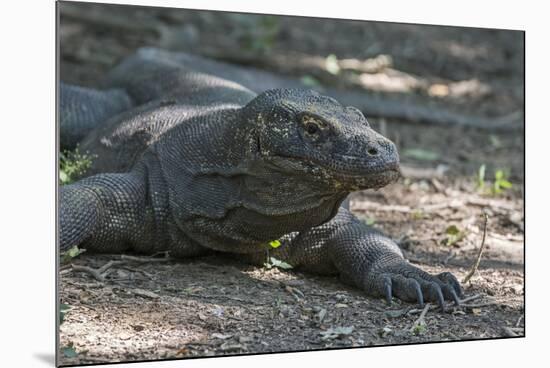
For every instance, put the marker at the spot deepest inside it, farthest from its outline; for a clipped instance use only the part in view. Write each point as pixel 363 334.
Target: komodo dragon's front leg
pixel 105 212
pixel 366 258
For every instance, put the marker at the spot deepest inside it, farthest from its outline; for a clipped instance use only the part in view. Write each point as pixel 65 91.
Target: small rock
pixel 145 293
pixel 221 336
pixel 245 339
pixel 395 313
pixel 337 332
pixel 383 332
pixel 232 347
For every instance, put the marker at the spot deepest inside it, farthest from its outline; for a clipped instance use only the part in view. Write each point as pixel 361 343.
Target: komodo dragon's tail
pixel 82 109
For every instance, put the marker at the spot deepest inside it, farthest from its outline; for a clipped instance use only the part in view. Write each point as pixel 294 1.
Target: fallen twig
pixel 509 332
pixel 125 257
pixel 470 298
pixel 91 271
pixel 481 247
pixel 108 265
pixel 479 305
pixel 421 321
pixel 101 273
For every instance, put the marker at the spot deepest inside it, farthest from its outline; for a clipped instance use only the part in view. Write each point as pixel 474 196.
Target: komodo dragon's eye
pixel 312 128
pixel 311 125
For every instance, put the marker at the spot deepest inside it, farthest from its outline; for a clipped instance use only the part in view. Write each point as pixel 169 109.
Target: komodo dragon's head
pixel 301 132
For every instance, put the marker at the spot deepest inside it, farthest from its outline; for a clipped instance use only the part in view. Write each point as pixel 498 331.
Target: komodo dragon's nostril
pixel 372 151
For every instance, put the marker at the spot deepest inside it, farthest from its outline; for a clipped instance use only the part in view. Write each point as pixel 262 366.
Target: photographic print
pixel 235 183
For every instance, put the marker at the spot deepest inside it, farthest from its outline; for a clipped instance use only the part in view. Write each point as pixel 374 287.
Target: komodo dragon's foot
pixel 410 283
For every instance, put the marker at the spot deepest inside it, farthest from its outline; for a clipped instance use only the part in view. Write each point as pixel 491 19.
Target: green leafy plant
pixel 501 182
pixel 71 253
pixel 419 329
pixel 69 351
pixel 274 262
pixel 331 64
pixel 274 244
pixel 63 309
pixel 499 185
pixel 454 235
pixel 73 164
pixel 370 221
pixel 417 214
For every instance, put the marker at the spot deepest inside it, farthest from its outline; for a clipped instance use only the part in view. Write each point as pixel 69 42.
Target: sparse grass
pixel 72 164
pixel 453 235
pixel 497 186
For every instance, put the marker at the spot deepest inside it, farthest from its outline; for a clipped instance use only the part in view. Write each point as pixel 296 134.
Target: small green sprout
pixel 417 214
pixel 71 253
pixel 274 244
pixel 499 185
pixel 69 351
pixel 274 262
pixel 72 164
pixel 454 235
pixel 370 221
pixel 501 182
pixel 63 309
pixel 331 64
pixel 419 329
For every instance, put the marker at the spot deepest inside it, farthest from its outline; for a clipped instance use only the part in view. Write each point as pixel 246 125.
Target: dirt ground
pixel 153 308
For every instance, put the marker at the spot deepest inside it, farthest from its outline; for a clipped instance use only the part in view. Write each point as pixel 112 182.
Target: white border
pixel 27 181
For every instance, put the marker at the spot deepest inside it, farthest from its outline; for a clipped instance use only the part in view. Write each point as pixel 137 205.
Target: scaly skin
pixel 221 169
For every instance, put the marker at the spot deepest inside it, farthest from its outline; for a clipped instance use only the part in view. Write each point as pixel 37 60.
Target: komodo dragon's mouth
pixel 371 173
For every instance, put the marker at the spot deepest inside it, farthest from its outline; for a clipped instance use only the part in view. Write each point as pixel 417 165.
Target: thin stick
pixel 519 321
pixel 479 305
pixel 108 265
pixel 92 271
pixel 481 247
pixel 470 298
pixel 509 332
pixel 421 321
pixel 125 257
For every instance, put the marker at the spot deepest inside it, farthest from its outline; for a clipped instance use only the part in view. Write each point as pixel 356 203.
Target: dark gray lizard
pixel 204 164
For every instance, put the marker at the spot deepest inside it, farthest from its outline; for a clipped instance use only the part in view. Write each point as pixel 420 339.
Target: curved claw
pixel 455 298
pixel 418 290
pixel 449 278
pixel 410 283
pixel 450 293
pixel 433 290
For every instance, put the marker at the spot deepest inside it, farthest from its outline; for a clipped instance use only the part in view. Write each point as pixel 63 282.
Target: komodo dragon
pixel 202 163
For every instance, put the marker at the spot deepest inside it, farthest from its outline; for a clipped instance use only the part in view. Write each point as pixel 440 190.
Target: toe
pixel 432 292
pixel 407 289
pixel 449 278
